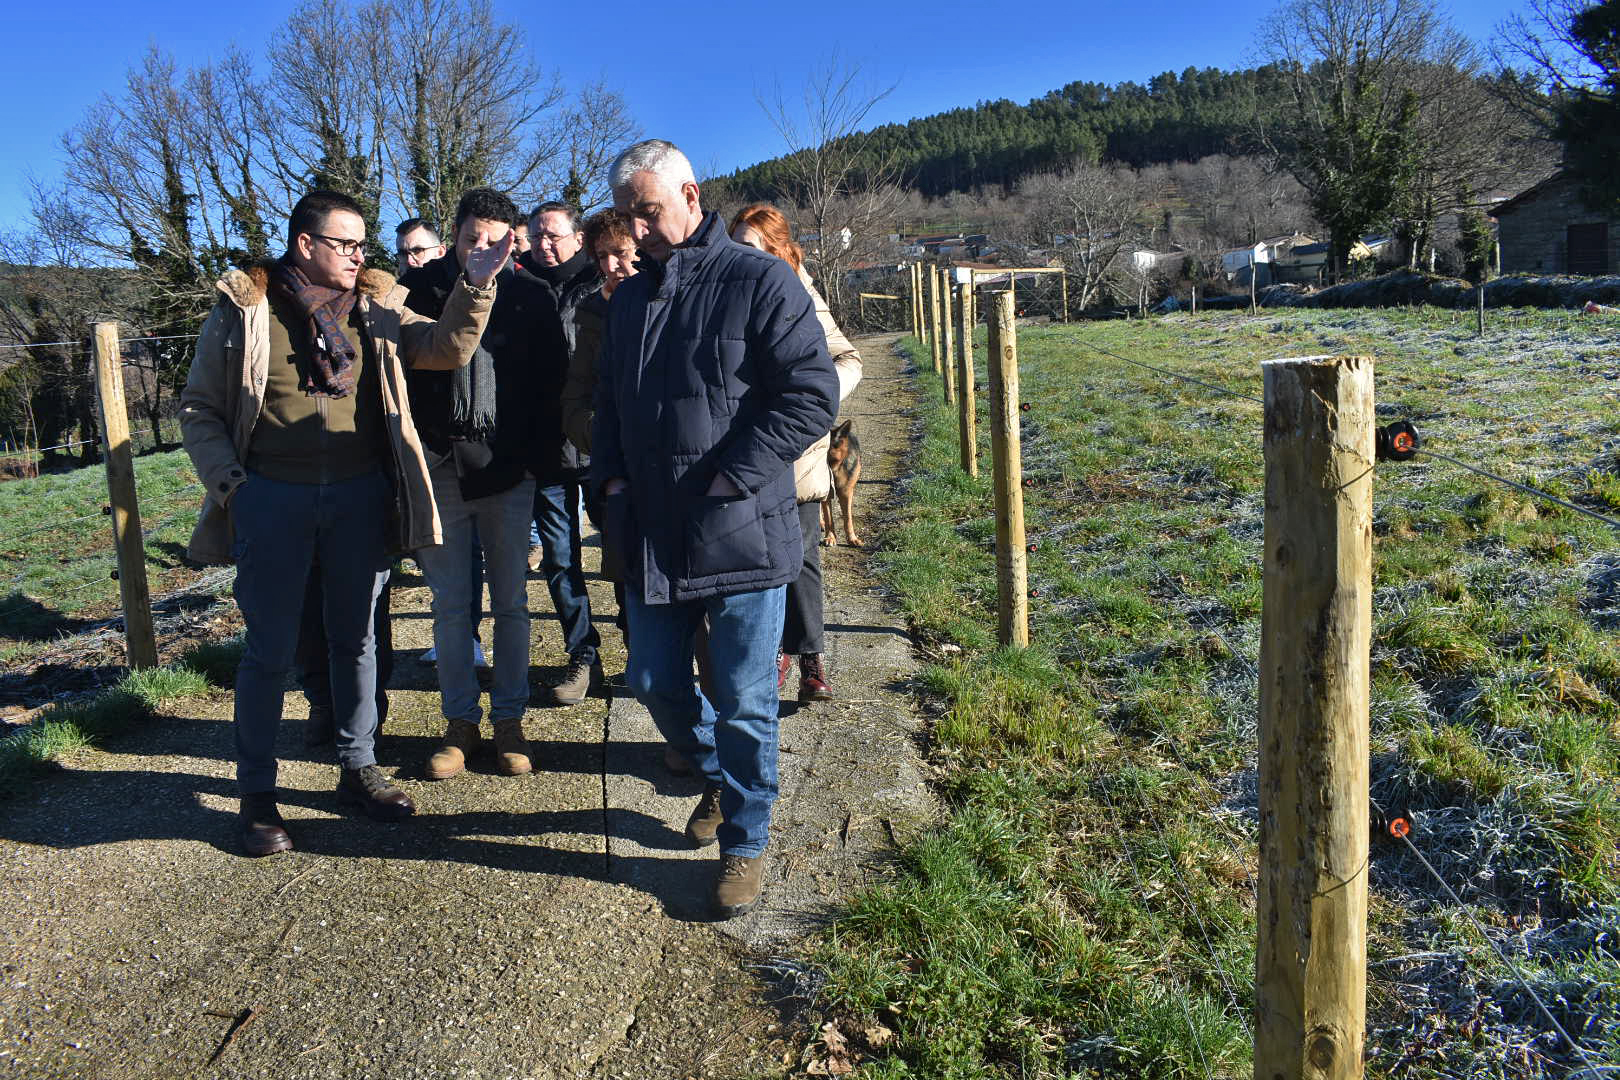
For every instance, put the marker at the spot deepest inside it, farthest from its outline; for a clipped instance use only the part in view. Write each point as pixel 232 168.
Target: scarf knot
pixel 328 369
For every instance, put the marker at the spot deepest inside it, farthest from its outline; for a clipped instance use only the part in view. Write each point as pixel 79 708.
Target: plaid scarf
pixel 326 370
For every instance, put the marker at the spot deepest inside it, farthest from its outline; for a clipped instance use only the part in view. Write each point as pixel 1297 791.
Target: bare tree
pixel 848 189
pixel 588 134
pixel 461 104
pixel 1090 216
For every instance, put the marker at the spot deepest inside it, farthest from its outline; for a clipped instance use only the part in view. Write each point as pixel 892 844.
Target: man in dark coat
pixel 714 378
pixel 490 433
pixel 561 263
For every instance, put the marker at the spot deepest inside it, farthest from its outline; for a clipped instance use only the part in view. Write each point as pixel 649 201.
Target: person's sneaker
pixel 480 661
pixel 813 684
pixel 705 820
pixel 577 682
pixel 737 888
pixel 368 789
pixel 460 740
pixel 676 762
pixel 536 555
pixel 511 748
pixel 321 728
pixel 784 664
pixel 263 830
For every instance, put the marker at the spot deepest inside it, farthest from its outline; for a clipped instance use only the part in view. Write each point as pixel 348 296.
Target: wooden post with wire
pixel 1311 952
pixel 1012 566
pixel 916 303
pixel 947 353
pixel 931 313
pixel 121 497
pixel 1480 323
pixel 1063 282
pixel 935 310
pixel 949 367
pixel 967 401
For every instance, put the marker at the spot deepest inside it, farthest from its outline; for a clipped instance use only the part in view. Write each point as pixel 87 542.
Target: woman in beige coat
pixel 762 226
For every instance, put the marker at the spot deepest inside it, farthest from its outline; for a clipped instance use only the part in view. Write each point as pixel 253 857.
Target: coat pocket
pixel 724 535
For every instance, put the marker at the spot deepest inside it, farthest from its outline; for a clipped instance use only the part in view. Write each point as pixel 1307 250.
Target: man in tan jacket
pixel 295 417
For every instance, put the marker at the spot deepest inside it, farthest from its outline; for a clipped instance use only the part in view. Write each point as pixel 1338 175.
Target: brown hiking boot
pixel 813 684
pixel 738 886
pixel 580 679
pixel 460 740
pixel 706 819
pixel 511 748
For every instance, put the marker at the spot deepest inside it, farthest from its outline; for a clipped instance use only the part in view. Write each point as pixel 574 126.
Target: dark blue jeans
pixel 731 740
pixel 556 530
pixel 281 531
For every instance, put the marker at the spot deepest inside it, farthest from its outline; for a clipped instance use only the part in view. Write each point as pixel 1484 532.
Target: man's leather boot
pixel 705 820
pixel 737 888
pixel 784 664
pixel 813 679
pixel 511 748
pixel 368 789
pixel 263 830
pixel 460 740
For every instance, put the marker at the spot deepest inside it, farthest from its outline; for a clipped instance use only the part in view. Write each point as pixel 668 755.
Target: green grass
pixel 65 727
pixel 56 545
pixel 1087 909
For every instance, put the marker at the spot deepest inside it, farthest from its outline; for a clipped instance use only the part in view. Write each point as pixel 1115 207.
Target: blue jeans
pixel 501 525
pixel 732 740
pixel 281 531
pixel 556 529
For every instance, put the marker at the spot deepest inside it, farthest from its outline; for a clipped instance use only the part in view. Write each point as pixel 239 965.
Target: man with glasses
pixel 559 259
pixel 415 244
pixel 296 419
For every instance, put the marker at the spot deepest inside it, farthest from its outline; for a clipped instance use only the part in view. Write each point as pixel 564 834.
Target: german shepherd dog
pixel 844 458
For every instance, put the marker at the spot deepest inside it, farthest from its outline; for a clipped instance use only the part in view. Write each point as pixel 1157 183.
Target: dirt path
pixel 546 927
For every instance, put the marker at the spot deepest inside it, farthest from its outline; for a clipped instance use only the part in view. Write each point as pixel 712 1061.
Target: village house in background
pixel 1548 229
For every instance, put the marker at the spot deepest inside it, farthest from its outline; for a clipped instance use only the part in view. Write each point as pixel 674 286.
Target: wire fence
pixel 1586 1065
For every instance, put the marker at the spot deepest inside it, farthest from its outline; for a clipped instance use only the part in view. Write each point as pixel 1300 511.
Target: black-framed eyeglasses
pixel 413 252
pixel 344 247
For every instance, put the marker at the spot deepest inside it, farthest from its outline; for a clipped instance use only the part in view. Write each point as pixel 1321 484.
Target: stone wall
pixel 1533 234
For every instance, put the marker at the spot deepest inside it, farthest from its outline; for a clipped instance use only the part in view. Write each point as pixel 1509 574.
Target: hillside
pixel 1170 118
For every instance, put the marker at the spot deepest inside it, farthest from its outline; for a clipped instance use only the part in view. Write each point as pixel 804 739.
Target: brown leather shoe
pixel 737 888
pixel 368 789
pixel 676 762
pixel 784 664
pixel 511 748
pixel 705 820
pixel 813 679
pixel 460 740
pixel 263 830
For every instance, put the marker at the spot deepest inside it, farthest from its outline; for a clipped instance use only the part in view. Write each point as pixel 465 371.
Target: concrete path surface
pixel 551 926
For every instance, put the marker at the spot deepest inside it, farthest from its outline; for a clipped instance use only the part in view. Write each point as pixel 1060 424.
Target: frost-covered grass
pixel 1103 786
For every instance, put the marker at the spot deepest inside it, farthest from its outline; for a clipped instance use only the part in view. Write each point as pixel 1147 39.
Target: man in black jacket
pixel 490 432
pixel 714 379
pixel 560 261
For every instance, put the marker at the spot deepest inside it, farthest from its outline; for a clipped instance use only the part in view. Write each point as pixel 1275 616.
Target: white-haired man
pixel 714 378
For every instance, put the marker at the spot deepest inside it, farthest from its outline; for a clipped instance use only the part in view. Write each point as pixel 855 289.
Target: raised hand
pixel 483 265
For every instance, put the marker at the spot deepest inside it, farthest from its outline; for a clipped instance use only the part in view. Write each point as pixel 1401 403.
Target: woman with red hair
pixel 762 226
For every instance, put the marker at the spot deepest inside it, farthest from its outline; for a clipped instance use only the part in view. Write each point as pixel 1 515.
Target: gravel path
pixel 549 926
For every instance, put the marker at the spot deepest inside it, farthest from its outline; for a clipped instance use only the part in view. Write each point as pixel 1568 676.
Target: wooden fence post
pixel 947 352
pixel 949 367
pixel 1311 952
pixel 126 511
pixel 967 400
pixel 916 303
pixel 935 278
pixel 1063 281
pixel 1012 568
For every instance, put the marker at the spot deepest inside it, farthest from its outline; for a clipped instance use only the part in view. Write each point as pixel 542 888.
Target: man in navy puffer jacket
pixel 714 378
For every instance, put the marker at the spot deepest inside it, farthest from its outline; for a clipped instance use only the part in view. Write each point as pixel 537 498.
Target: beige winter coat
pixel 225 392
pixel 811 476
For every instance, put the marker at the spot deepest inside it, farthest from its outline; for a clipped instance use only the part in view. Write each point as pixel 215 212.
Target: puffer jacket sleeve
pixel 846 358
pixel 800 386
pixel 449 341
pixel 205 426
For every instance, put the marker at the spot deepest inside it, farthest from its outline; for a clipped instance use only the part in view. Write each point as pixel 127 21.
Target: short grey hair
pixel 658 156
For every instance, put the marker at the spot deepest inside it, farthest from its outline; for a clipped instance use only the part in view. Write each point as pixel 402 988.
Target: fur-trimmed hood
pixel 246 288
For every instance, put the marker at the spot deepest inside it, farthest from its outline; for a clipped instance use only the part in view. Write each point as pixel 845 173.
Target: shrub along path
pixel 548 926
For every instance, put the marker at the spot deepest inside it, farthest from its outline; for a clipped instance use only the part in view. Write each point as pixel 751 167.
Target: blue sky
pixel 689 72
